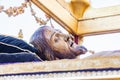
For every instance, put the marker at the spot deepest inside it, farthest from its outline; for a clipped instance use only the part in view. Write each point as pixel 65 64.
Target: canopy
pixel 90 21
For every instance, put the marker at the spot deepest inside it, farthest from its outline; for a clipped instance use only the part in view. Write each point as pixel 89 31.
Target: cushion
pixel 10 44
pixel 18 57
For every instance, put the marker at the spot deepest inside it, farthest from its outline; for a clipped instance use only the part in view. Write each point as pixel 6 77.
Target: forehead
pixel 48 32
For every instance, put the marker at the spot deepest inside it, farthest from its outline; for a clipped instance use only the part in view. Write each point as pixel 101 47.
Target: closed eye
pixel 56 39
pixel 66 38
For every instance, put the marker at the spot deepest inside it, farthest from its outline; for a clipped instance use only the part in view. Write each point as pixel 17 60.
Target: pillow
pixel 10 44
pixel 18 57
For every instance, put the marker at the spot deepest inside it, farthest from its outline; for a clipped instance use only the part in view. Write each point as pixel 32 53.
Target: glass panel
pixel 104 3
pixel 104 42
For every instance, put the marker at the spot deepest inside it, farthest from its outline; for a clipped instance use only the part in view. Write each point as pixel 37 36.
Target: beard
pixel 65 55
pixel 72 53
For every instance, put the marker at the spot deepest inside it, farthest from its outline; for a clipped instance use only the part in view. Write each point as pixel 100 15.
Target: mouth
pixel 71 44
pixel 76 49
pixel 73 47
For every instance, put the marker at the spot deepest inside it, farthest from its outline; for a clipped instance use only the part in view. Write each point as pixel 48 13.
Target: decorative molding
pixel 101 75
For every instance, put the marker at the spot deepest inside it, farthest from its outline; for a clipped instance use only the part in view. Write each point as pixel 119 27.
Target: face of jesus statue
pixel 56 45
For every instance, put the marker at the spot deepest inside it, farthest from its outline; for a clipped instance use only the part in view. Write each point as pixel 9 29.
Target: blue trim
pixel 84 70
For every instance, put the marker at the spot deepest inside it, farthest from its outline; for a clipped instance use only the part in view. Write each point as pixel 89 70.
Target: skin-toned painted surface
pixel 54 44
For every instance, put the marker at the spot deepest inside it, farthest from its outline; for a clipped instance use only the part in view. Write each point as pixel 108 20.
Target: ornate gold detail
pixel 78 7
pixel 14 11
pixel 20 34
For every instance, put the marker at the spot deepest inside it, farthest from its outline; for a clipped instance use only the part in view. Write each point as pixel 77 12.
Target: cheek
pixel 60 46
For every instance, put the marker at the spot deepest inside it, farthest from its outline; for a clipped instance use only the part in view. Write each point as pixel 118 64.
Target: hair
pixel 38 40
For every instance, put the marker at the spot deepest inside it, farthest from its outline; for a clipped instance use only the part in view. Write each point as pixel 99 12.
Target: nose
pixel 68 37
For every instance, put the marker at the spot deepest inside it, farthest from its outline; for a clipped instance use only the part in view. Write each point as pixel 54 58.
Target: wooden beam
pixel 104 20
pixel 58 13
pixel 94 21
pixel 101 12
